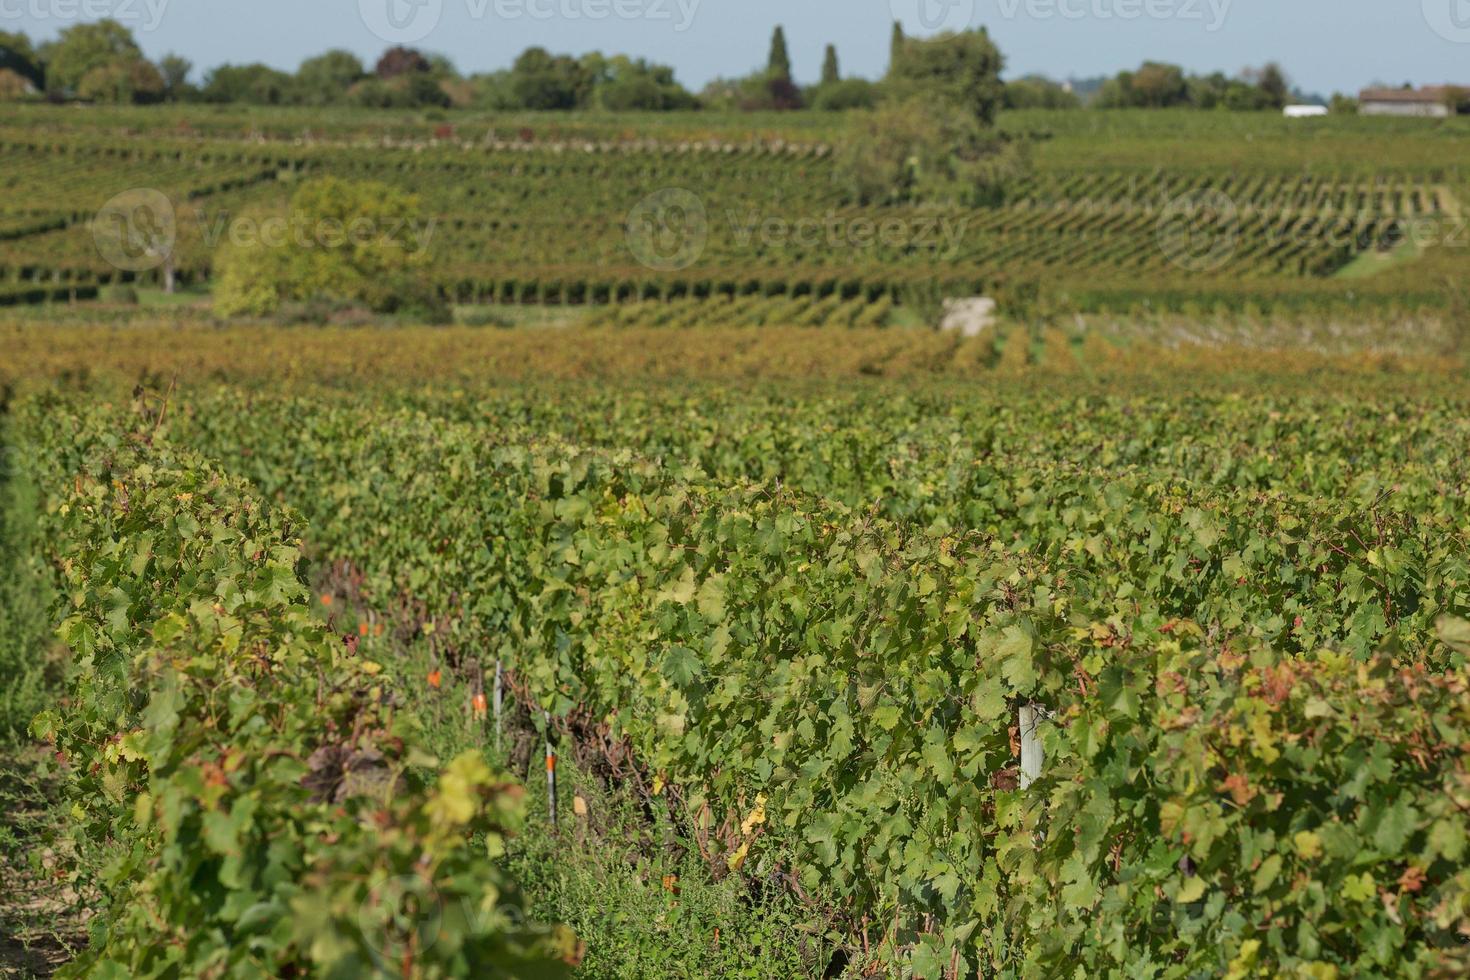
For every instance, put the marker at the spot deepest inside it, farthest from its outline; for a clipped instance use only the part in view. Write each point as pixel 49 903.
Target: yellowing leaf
pixel 1308 845
pixel 756 817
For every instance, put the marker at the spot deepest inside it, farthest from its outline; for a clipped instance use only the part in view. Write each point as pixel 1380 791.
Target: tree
pixel 175 71
pixel 779 65
pixel 494 91
pixel 336 240
pixel 895 47
pixel 327 78
pixel 255 84
pixel 927 152
pixel 122 82
pixel 82 48
pixel 540 80
pixel 831 74
pixel 401 61
pixel 414 90
pixel 620 84
pixel 1274 87
pixel 1038 92
pixel 959 68
pixel 848 94
pixel 17 55
pixel 1155 85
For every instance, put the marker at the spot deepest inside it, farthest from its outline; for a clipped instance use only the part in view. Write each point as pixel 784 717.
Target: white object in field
pixel 1031 754
pixel 1305 111
pixel 971 316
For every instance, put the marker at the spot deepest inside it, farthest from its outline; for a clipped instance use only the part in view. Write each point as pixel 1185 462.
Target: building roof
pixel 1432 93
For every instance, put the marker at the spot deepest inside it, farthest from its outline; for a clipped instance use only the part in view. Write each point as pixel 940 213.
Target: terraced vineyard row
pixel 554 227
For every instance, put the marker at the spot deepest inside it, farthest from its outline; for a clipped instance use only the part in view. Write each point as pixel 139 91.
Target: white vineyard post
pixel 1032 756
pixel 550 771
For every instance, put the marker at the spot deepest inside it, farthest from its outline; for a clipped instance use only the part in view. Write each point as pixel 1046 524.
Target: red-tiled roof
pixel 1432 93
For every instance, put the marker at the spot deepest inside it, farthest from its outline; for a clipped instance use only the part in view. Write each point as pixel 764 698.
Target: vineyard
pixel 648 589
pixel 817 627
pixel 546 219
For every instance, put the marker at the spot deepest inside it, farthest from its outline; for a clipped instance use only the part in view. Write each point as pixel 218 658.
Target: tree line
pixel 102 62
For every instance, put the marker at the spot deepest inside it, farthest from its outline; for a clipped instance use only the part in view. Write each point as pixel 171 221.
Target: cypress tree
pixel 895 47
pixel 830 73
pixel 780 65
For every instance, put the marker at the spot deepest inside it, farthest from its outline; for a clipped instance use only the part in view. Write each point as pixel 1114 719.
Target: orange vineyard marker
pixel 434 679
pixel 326 599
pixel 480 706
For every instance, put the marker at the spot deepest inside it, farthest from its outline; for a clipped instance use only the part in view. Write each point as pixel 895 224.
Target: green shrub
pixel 337 240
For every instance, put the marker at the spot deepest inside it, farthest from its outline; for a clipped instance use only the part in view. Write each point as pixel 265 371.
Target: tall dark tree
pixel 831 75
pixel 1273 85
pixel 18 55
pixel 779 66
pixel 895 47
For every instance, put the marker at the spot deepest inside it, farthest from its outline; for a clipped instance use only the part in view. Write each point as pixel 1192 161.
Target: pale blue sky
pixel 1325 45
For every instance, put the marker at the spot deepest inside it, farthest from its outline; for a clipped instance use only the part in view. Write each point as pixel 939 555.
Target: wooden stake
pixel 499 699
pixel 550 771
